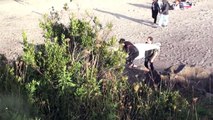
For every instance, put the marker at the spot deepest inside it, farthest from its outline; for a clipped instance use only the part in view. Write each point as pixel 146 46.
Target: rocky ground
pixel 188 39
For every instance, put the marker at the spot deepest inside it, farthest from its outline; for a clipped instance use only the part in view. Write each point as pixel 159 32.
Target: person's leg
pixel 146 63
pixel 166 20
pixel 155 17
pixel 161 20
pixel 128 61
pixel 153 14
pixel 132 57
pixel 151 66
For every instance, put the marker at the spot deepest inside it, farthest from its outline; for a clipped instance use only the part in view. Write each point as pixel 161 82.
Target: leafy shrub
pixel 13 108
pixel 13 103
pixel 76 74
pixel 73 75
pixel 143 102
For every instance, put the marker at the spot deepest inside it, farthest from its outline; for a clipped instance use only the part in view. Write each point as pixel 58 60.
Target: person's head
pixel 121 41
pixel 149 40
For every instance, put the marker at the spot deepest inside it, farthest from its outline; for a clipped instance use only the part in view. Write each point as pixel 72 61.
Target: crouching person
pixel 131 50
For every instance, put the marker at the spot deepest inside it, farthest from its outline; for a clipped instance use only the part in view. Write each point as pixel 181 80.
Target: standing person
pixel 164 11
pixel 150 55
pixel 155 9
pixel 131 50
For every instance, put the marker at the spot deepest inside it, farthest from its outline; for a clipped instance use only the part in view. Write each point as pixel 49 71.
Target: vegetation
pixel 76 75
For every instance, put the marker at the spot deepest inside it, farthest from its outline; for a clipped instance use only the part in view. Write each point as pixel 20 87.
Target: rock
pixel 183 76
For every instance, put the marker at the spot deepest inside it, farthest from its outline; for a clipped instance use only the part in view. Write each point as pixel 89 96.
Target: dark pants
pixel 154 15
pixel 131 57
pixel 146 64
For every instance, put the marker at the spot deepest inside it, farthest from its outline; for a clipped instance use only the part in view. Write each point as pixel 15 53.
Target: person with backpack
pixel 131 50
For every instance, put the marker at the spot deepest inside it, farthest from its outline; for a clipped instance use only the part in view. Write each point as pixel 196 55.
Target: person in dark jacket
pixel 155 9
pixel 132 51
pixel 164 11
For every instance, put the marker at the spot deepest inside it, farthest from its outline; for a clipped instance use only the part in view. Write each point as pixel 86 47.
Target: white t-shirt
pixel 160 3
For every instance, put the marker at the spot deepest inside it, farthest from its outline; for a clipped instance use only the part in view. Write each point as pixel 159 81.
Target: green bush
pixel 143 102
pixel 73 75
pixel 13 103
pixel 76 75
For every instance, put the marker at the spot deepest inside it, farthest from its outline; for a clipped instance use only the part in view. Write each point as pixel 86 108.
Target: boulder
pixel 184 76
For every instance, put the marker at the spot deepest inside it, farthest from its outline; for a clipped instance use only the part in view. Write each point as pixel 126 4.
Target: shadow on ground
pixel 140 21
pixel 141 5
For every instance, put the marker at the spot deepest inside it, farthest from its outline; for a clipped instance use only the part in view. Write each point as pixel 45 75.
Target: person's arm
pixel 152 6
pixel 158 7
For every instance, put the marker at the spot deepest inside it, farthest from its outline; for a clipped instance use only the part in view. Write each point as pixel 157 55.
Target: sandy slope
pixel 187 39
